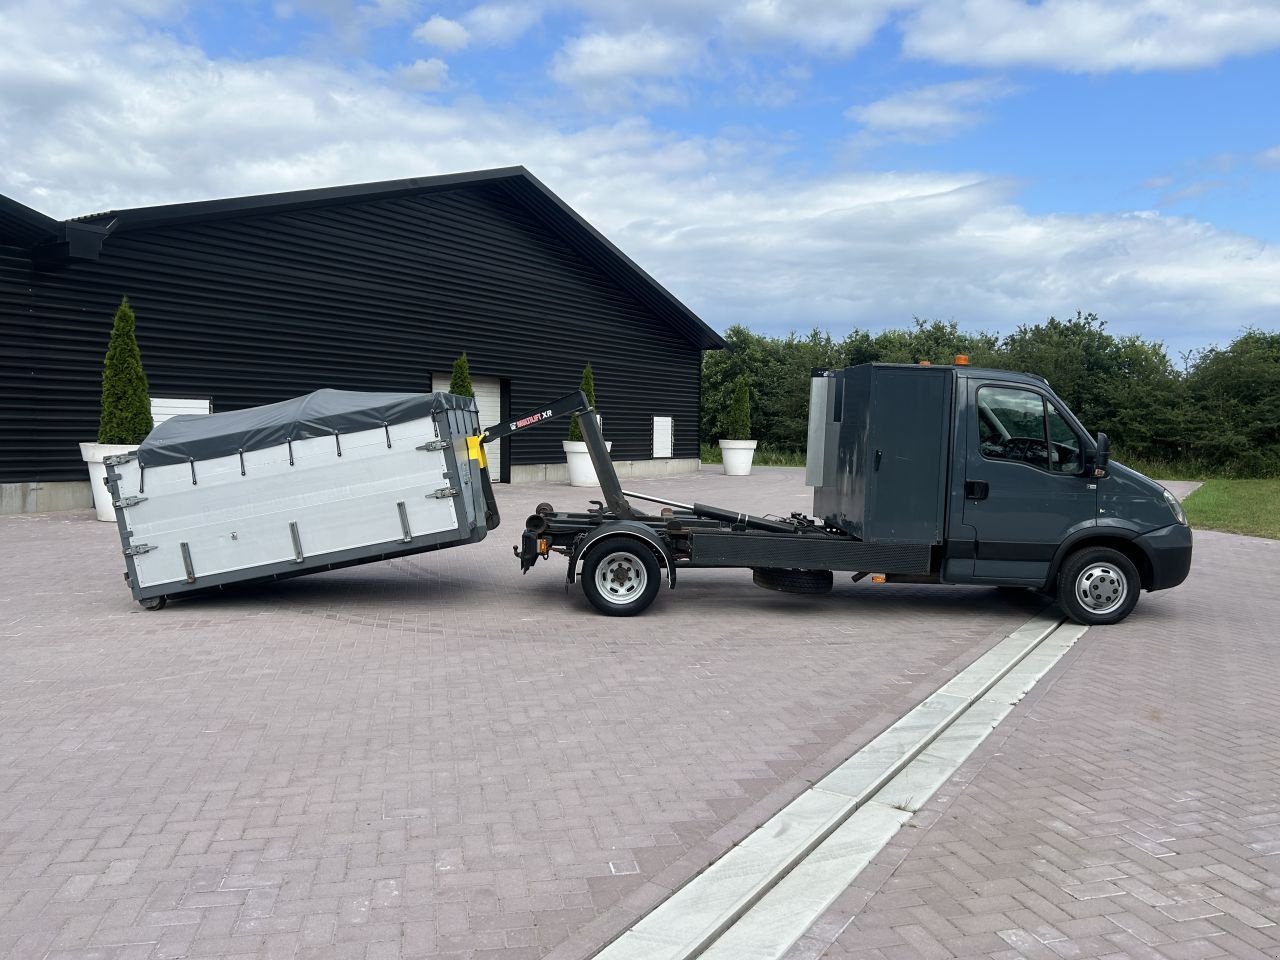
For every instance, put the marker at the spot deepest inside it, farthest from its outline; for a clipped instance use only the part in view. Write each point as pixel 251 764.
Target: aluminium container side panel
pixel 843 501
pixel 910 414
pixel 293 506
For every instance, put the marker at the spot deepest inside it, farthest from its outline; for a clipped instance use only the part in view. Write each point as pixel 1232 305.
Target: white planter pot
pixel 737 456
pixel 93 454
pixel 581 471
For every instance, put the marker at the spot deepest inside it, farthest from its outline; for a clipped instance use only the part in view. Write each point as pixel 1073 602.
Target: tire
pixel 811 582
pixel 1097 586
pixel 153 603
pixel 621 576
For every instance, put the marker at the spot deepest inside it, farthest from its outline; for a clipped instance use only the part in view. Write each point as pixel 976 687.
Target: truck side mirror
pixel 1102 457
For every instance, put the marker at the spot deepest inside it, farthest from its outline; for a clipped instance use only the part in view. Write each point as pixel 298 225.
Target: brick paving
pixel 437 757
pixel 1129 807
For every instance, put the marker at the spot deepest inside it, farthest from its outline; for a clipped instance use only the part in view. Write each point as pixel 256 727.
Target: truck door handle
pixel 976 489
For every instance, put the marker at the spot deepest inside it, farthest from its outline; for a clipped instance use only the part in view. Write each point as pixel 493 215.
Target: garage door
pixel 489 400
pixel 162 408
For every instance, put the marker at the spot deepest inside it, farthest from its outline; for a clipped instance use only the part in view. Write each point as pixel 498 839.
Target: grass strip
pixel 1237 506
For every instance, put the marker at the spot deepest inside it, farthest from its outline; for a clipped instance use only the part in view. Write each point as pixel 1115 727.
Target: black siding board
pixel 21 226
pixel 623 272
pixel 373 295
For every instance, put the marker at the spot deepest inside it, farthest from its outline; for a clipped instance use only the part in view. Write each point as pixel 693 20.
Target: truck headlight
pixel 1178 513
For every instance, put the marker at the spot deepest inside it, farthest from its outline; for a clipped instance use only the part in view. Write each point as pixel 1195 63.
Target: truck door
pixel 1025 487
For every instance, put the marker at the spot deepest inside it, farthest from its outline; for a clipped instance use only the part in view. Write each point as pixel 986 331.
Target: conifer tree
pixel 587 386
pixel 460 382
pixel 126 404
pixel 737 424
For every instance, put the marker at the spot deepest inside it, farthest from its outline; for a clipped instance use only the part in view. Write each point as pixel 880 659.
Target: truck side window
pixel 1064 444
pixel 1011 426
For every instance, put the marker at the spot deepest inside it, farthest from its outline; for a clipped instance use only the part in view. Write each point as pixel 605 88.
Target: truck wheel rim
pixel 1101 588
pixel 621 578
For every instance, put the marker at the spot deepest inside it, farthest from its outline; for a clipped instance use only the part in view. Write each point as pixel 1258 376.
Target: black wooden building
pixel 371 287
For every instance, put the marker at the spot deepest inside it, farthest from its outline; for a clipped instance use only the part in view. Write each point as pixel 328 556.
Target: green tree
pixel 1222 414
pixel 126 405
pixel 460 381
pixel 1233 409
pixel 858 347
pixel 1073 354
pixel 1141 402
pixel 934 341
pixel 588 387
pixel 777 373
pixel 1125 386
pixel 737 422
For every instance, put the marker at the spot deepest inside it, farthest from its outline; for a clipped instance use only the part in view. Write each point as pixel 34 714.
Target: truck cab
pixel 994 472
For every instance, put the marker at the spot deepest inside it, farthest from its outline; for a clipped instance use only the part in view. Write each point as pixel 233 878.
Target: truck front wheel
pixel 620 576
pixel 1097 586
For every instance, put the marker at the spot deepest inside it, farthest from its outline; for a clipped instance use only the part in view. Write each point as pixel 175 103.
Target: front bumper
pixel 1169 550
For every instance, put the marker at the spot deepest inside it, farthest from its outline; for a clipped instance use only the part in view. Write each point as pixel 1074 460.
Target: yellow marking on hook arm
pixel 475 450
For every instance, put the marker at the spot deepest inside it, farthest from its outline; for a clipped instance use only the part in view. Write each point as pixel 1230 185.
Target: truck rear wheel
pixel 1097 586
pixel 812 582
pixel 620 576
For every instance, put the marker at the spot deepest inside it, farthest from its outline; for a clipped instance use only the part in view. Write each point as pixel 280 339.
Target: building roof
pixel 518 182
pixel 22 226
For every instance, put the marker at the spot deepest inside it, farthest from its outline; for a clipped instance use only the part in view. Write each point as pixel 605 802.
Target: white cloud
pixel 604 57
pixel 1068 35
pixel 443 33
pixel 383 12
pixel 825 26
pixel 94 115
pixel 501 22
pixel 929 113
pixel 1091 35
pixel 604 67
pixel 348 21
pixel 430 74
pixel 1270 158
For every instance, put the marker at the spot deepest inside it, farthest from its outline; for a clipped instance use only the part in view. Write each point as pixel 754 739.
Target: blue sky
pixel 780 163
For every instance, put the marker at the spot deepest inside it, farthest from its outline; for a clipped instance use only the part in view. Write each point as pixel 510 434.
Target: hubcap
pixel 1102 588
pixel 621 578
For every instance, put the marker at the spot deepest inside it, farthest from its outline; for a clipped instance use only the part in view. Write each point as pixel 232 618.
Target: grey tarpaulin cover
pixel 319 414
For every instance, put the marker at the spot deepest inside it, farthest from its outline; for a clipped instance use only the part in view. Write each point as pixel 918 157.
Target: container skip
pixel 329 480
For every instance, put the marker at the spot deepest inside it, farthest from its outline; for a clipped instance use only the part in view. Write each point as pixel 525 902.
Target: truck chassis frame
pixel 614 542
